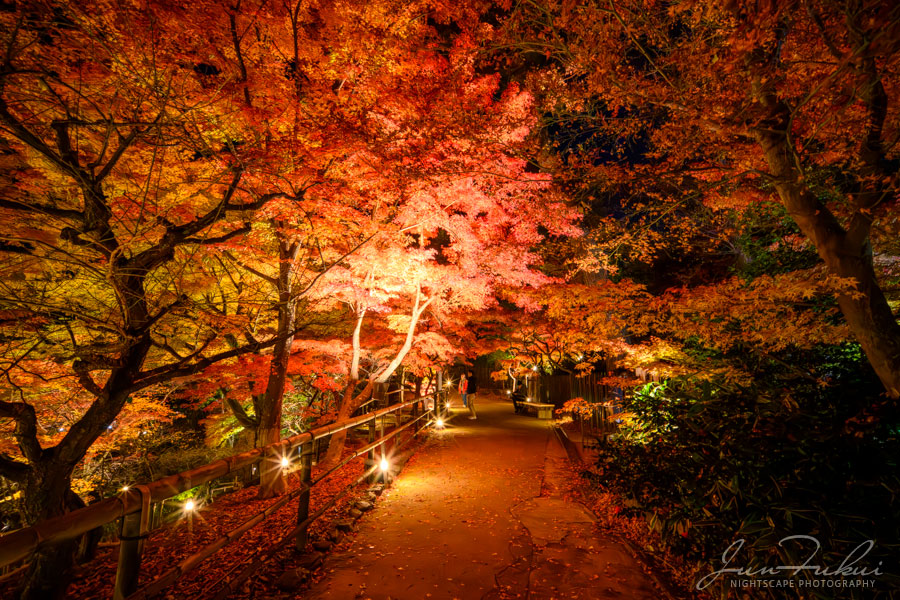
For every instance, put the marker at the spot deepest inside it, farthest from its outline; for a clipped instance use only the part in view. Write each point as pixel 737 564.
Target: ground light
pixel 439 422
pixel 285 463
pixel 385 465
pixel 189 506
pixel 124 488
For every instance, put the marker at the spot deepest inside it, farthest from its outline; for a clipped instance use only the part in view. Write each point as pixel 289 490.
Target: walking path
pixel 477 514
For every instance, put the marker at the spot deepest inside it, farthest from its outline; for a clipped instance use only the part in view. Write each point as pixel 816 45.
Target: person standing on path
pixel 462 390
pixel 471 389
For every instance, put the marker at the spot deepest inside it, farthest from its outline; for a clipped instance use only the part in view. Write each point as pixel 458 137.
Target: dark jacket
pixel 472 385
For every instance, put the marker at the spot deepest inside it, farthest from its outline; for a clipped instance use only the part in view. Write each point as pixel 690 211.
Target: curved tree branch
pixel 250 422
pixel 26 428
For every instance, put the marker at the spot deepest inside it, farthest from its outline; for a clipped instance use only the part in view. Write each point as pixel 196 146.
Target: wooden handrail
pixel 191 562
pixel 21 543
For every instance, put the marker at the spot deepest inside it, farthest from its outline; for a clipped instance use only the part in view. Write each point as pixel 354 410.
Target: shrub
pixel 707 464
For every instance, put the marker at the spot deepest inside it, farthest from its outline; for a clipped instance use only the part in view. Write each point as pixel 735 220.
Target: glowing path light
pixel 285 463
pixel 385 465
pixel 190 506
pixel 439 423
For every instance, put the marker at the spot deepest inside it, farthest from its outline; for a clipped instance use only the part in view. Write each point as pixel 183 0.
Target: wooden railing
pixel 134 506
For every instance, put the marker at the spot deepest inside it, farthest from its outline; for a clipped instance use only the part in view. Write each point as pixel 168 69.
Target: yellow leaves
pixel 770 312
pixel 659 357
pixel 219 427
pixel 398 322
pixel 846 286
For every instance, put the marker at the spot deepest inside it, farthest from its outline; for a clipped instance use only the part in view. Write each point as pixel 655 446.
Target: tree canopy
pixel 253 213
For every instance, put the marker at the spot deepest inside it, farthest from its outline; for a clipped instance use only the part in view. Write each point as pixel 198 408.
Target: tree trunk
pixel 271 481
pixel 47 491
pixel 47 495
pixel 349 403
pixel 865 308
pixel 269 408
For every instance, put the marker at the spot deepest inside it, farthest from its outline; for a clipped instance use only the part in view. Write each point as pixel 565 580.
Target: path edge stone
pixel 649 565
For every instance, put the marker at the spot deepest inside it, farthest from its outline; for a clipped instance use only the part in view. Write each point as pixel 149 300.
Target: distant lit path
pixel 465 519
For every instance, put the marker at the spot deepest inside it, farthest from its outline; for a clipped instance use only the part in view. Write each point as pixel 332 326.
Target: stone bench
pixel 542 411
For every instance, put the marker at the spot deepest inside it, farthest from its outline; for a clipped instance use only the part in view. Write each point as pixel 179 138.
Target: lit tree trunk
pixel 349 402
pixel 846 252
pixel 418 308
pixel 269 407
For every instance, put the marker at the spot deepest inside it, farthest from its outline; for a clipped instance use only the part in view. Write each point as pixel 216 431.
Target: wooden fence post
pixel 380 393
pixel 437 394
pixel 402 385
pixel 135 527
pixel 369 463
pixel 303 501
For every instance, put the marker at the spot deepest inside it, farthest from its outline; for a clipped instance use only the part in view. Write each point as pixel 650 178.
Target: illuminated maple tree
pixel 142 142
pixel 179 183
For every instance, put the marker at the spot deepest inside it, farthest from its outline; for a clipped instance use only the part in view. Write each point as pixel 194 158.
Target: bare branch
pixel 219 239
pixel 13 469
pixel 38 208
pixel 267 278
pixel 250 422
pixel 124 144
pixel 28 137
pixel 26 428
pixel 172 371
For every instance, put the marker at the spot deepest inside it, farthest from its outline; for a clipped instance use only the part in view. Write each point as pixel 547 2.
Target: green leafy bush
pixel 707 464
